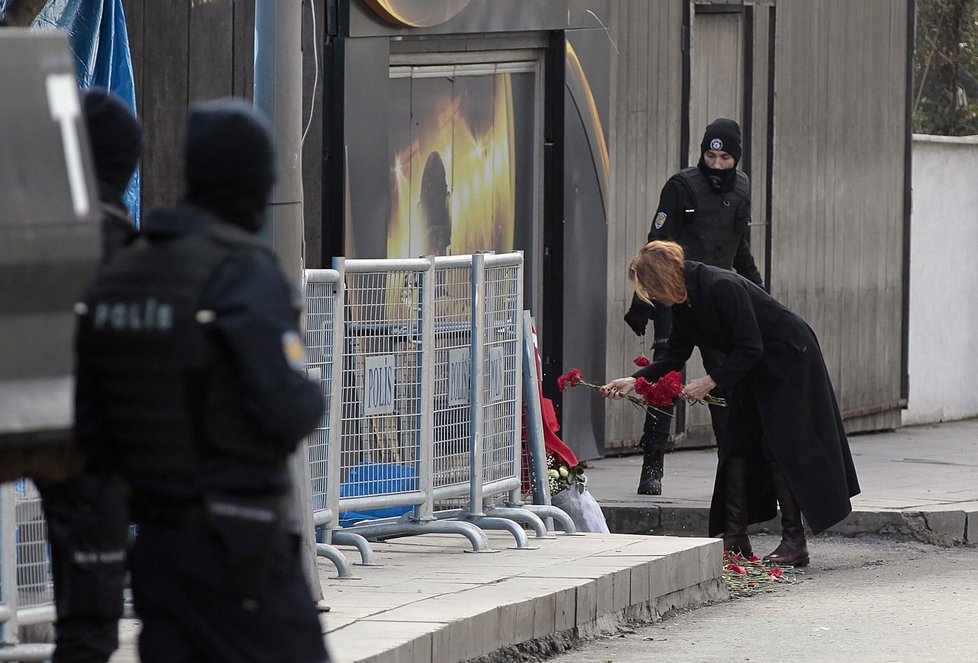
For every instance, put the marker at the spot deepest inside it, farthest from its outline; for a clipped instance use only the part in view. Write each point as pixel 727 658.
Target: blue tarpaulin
pixel 100 42
pixel 377 479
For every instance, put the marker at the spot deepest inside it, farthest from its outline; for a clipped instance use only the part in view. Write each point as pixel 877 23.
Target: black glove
pixel 637 319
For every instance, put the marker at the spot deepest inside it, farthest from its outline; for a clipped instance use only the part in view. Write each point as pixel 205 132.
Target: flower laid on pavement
pixel 745 577
pixel 735 568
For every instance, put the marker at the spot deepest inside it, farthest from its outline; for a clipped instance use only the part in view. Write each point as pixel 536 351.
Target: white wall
pixel 944 280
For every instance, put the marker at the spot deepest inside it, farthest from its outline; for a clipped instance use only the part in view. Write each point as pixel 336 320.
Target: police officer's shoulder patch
pixel 293 350
pixel 660 220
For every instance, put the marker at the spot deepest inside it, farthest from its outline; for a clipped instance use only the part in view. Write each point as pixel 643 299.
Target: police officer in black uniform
pixel 86 514
pixel 191 381
pixel 705 209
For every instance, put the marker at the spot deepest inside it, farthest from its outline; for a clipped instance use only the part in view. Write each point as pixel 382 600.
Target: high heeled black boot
pixel 793 549
pixel 735 537
pixel 650 481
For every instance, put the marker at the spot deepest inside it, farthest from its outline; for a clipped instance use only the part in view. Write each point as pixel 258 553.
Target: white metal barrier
pixel 26 585
pixel 381 410
pixel 425 398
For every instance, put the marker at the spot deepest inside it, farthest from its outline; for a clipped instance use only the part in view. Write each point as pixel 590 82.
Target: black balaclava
pixel 230 161
pixel 722 135
pixel 117 141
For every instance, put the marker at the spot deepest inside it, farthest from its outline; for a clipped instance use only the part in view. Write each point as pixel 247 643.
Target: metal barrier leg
pixel 27 652
pixel 337 558
pixel 344 538
pixel 556 514
pixel 522 543
pixel 478 538
pixel 522 515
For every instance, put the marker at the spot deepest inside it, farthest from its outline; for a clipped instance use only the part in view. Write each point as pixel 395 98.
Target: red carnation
pixel 735 568
pixel 643 388
pixel 776 573
pixel 665 390
pixel 642 360
pixel 571 378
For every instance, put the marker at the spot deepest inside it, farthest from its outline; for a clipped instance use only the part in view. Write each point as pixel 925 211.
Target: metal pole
pixel 477 384
pixel 534 417
pixel 8 565
pixel 334 443
pixel 426 478
pixel 278 92
pixel 515 316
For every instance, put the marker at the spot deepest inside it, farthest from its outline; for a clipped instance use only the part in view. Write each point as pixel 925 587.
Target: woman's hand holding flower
pixel 618 388
pixel 698 389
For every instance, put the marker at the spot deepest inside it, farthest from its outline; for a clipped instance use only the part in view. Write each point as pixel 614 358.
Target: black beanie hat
pixel 722 135
pixel 229 160
pixel 116 137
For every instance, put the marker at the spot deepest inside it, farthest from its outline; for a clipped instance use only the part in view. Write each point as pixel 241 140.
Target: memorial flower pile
pixel 562 476
pixel 749 576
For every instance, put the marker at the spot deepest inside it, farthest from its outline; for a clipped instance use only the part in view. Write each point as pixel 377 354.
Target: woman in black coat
pixel 785 440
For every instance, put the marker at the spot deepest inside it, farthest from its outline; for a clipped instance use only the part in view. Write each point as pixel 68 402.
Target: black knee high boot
pixel 735 537
pixel 793 550
pixel 650 481
pixel 655 439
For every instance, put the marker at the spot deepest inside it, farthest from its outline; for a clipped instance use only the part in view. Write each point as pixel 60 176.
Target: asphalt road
pixel 862 599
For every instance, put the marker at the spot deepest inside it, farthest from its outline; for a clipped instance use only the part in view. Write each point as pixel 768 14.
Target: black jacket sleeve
pixel 667 221
pixel 743 261
pixel 256 318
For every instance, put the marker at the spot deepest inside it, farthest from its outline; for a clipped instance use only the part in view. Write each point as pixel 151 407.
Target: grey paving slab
pixel 370 641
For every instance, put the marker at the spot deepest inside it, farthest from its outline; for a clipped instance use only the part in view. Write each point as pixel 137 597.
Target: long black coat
pixel 780 392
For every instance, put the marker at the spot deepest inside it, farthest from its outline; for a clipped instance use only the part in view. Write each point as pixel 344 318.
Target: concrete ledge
pixel 939 527
pixel 431 601
pixel 942 525
pixel 609 624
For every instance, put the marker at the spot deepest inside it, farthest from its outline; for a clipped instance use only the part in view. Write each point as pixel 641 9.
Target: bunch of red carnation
pixel 663 392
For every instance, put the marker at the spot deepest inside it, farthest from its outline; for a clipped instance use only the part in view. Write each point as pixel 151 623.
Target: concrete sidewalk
pixel 430 600
pixel 919 482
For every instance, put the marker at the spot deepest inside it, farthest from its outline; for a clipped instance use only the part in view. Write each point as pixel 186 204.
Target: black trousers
pixel 88 526
pixel 184 595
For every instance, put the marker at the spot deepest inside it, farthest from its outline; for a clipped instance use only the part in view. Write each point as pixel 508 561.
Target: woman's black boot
pixel 793 550
pixel 735 537
pixel 650 481
pixel 655 439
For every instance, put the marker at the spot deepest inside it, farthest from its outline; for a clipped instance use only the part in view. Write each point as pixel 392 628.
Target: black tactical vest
pixel 168 387
pixel 714 221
